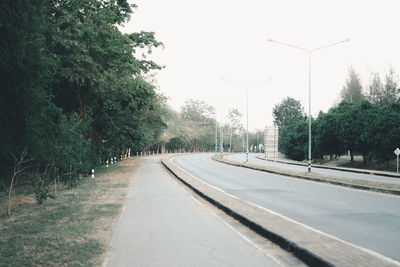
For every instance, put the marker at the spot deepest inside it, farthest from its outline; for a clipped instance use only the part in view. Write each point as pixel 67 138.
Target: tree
pixel 199 123
pixel 326 139
pixel 293 139
pixel 73 91
pixel 352 90
pixel 235 127
pixel 288 109
pixel 383 94
pixel 384 137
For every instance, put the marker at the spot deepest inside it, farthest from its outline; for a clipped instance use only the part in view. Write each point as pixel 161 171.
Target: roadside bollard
pixel 106 163
pixel 92 173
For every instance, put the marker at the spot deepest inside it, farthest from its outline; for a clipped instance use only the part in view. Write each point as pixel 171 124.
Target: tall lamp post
pixel 309 52
pixel 247 109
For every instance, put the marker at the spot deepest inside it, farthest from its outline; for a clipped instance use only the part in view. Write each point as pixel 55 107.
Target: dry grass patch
pixel 72 229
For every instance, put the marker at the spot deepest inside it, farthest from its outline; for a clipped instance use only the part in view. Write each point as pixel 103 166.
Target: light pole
pixel 309 52
pixel 247 109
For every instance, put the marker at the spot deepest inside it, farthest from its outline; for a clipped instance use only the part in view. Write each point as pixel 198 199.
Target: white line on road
pixel 373 253
pixel 195 200
pixel 338 202
pixel 245 238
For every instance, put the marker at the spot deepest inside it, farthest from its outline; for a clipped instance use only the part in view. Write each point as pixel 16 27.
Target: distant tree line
pixel 74 89
pixel 195 127
pixel 362 123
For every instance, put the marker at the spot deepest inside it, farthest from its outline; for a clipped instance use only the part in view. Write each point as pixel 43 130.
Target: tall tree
pixel 352 90
pixel 198 118
pixel 383 94
pixel 288 109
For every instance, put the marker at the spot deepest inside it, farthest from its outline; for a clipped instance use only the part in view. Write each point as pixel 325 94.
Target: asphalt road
pixel 369 220
pixel 336 173
pixel 162 225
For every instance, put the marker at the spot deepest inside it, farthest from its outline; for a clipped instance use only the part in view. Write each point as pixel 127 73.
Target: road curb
pixel 363 171
pixel 312 247
pixel 290 246
pixel 314 179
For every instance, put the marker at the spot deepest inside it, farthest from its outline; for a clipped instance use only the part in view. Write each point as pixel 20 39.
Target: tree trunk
pixel 9 195
pixel 351 156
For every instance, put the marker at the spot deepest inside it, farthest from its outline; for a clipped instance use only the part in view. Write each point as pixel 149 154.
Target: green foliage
pixel 42 192
pixel 293 139
pixel 72 90
pixel 288 109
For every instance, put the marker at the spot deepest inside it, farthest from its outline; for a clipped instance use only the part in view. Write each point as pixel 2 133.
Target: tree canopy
pixel 73 91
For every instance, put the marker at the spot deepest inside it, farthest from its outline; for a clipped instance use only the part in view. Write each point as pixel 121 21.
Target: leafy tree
pixel 352 90
pixel 326 139
pixel 293 139
pixel 73 91
pixel 384 137
pixel 288 109
pixel 199 124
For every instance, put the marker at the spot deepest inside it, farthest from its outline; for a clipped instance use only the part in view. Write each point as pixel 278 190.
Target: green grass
pixel 62 231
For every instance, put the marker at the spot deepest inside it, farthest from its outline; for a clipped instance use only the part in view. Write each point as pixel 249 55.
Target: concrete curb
pixel 312 247
pixel 363 171
pixel 314 179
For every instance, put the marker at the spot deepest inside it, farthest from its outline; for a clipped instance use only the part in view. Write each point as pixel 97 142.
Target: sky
pixel 212 45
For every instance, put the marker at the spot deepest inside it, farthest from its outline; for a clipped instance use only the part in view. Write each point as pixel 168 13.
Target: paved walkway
pixel 162 225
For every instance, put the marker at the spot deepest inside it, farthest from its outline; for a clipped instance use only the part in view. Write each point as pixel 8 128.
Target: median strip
pixel 380 187
pixel 312 247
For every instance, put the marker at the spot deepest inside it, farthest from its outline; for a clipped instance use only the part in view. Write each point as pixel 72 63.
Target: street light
pixel 247 109
pixel 309 51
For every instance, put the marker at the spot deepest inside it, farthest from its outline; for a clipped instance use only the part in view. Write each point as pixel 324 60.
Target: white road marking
pixel 195 200
pixel 244 237
pixel 373 253
pixel 339 202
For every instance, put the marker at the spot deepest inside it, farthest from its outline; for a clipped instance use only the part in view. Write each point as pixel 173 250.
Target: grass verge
pixel 71 230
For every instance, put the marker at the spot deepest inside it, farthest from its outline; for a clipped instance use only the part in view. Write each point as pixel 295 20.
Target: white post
pixel 106 163
pixel 92 173
pixel 397 152
pixel 247 124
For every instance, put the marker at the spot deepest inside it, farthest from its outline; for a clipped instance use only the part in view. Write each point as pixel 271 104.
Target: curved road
pixel 341 174
pixel 369 220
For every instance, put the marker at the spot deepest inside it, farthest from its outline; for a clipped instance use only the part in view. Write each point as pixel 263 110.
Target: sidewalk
pixel 162 225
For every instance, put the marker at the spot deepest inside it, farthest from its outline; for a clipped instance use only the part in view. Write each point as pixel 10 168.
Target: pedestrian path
pixel 162 225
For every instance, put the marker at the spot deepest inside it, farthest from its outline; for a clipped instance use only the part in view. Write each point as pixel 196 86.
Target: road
pixel 164 225
pixel 369 220
pixel 336 173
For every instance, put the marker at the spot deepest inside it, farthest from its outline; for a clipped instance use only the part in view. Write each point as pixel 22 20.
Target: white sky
pixel 210 39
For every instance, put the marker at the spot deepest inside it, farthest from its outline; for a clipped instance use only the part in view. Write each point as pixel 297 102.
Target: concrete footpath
pixel 163 225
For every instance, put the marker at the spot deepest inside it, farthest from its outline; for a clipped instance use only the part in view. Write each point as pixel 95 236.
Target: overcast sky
pixel 208 40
